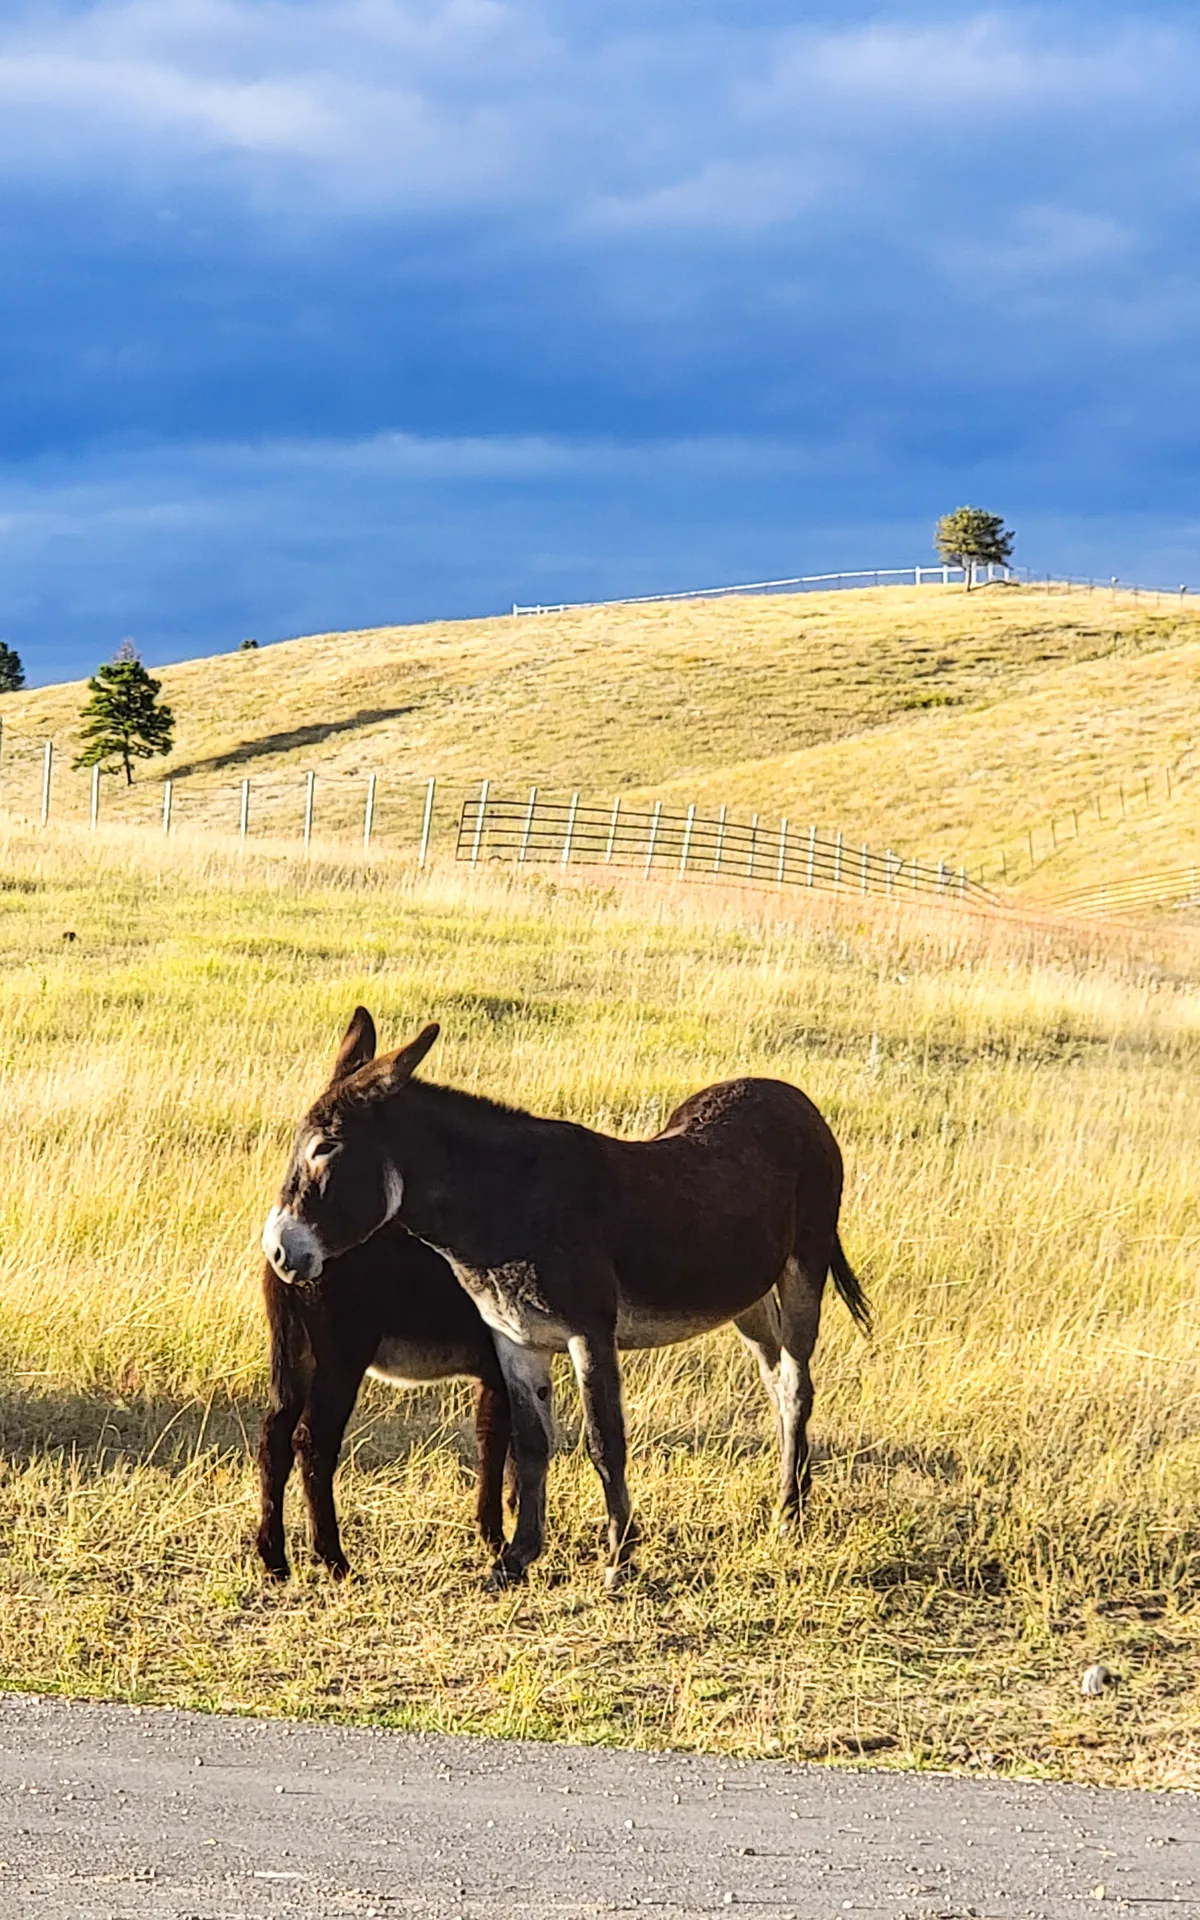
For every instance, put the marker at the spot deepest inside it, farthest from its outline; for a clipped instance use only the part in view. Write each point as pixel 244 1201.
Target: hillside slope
pixel 931 720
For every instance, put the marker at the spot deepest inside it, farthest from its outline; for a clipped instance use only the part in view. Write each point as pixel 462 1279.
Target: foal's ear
pixel 358 1046
pixel 398 1068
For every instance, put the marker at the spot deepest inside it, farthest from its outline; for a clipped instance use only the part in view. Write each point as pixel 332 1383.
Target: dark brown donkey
pixel 391 1307
pixel 573 1241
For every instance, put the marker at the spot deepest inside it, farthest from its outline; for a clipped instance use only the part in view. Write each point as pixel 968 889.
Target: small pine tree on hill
pixel 970 538
pixel 124 720
pixel 12 673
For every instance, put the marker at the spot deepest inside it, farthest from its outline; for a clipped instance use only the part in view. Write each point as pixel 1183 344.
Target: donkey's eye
pixel 320 1152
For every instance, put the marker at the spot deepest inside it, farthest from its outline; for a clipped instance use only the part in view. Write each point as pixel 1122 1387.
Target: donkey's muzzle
pixel 292 1248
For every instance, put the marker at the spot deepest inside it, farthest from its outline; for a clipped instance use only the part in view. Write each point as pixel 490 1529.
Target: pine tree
pixel 969 537
pixel 124 720
pixel 12 673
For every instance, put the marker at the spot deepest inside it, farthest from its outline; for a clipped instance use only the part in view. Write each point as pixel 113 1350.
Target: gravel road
pixel 110 1812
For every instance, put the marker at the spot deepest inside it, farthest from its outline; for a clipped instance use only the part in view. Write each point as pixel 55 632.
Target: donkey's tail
pixel 849 1286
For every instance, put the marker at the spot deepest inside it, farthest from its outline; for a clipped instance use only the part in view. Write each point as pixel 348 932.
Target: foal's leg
pixel 598 1371
pixel 527 1378
pixel 799 1288
pixel 317 1443
pixel 493 1434
pixel 291 1376
pixel 274 1469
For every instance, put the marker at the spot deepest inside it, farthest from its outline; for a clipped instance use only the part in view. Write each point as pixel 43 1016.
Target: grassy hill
pixel 1008 1475
pixel 942 724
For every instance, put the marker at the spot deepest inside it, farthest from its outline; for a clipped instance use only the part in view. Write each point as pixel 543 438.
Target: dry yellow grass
pixel 1009 1476
pixel 933 721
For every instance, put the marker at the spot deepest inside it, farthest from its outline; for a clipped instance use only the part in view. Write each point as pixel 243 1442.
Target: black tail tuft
pixel 849 1286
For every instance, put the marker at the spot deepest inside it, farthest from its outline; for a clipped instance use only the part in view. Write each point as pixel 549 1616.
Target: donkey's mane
pixel 454 1101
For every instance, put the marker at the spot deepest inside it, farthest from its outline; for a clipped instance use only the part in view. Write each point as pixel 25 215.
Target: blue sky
pixel 334 312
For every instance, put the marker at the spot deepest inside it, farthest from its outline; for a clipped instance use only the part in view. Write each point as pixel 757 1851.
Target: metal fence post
pixel 527 829
pixel 837 858
pixel 753 846
pixel 888 857
pixel 862 876
pixel 483 794
pixel 369 815
pixel 245 819
pixel 570 834
pixel 612 831
pixel 168 790
pixel 653 835
pixel 687 838
pixel 47 768
pixel 720 841
pixel 426 822
pixel 310 787
pixel 95 794
pixel 782 850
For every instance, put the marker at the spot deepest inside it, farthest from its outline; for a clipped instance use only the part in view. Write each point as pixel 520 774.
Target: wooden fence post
pixel 47 769
pixel 720 841
pixel 483 794
pixel 95 794
pixel 527 828
pixel 653 835
pixel 168 789
pixel 687 839
pixel 369 815
pixel 426 823
pixel 612 831
pixel 566 852
pixel 310 785
pixel 245 819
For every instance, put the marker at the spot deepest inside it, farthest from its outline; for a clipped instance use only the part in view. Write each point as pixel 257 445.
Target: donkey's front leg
pixel 598 1371
pixel 527 1377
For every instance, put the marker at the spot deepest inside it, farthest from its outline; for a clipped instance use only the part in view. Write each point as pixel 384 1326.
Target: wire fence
pixel 1176 889
pixel 536 830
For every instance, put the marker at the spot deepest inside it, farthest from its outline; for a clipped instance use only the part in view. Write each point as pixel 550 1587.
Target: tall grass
pixel 1009 1474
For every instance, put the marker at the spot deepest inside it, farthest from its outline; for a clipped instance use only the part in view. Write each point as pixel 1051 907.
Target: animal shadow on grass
pixel 289 740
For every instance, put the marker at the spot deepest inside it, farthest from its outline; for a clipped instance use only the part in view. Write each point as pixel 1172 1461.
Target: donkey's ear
pixel 358 1046
pixel 397 1068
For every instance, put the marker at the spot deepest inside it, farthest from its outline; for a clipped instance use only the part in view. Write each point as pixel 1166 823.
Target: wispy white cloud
pixel 418 104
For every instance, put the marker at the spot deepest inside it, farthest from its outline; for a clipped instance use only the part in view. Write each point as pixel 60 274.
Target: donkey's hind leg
pixel 759 1328
pixel 799 1288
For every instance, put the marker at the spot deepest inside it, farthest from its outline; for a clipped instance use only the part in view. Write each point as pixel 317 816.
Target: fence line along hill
pixel 946 726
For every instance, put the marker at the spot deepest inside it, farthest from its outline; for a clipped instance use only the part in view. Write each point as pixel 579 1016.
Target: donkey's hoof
pixel 503 1576
pixel 277 1573
pixel 616 1579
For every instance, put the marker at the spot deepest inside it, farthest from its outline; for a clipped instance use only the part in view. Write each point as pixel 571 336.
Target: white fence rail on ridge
pixel 922 576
